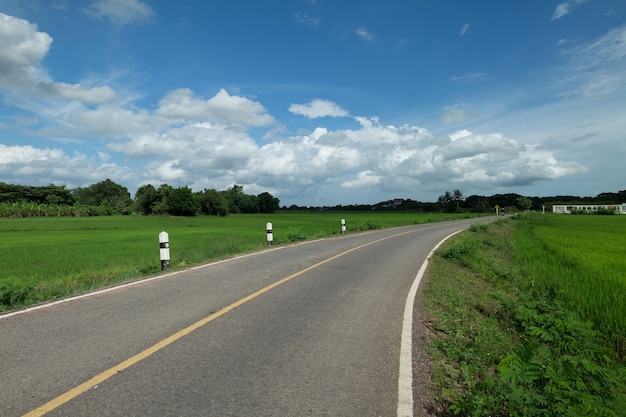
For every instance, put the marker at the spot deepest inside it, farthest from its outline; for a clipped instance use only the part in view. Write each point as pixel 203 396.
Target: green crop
pixel 49 257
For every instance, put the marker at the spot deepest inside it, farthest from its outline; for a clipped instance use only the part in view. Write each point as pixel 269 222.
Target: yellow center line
pixel 98 379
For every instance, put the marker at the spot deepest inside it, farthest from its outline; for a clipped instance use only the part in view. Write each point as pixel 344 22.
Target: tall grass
pixel 579 260
pixel 48 257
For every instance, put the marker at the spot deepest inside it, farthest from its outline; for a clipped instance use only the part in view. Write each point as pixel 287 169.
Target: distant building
pixel 568 208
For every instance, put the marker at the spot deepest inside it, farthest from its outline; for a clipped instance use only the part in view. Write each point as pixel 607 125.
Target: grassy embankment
pixel 46 258
pixel 528 318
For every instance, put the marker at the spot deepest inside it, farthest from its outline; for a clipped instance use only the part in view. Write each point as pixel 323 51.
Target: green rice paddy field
pixel 49 257
pixel 581 259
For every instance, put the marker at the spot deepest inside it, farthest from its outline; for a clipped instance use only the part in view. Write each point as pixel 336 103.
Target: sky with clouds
pixel 318 102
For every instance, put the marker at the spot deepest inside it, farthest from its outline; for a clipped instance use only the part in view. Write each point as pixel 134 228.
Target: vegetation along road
pixel 308 329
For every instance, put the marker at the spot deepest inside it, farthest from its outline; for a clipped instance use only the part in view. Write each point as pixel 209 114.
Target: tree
pixel 238 202
pixel 457 197
pixel 524 202
pixel 164 191
pixel 110 196
pixel 181 202
pixel 212 202
pixel 267 203
pixel 146 199
pixel 445 200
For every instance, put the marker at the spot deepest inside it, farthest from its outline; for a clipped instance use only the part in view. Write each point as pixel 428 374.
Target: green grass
pixel 515 326
pixel 579 260
pixel 50 257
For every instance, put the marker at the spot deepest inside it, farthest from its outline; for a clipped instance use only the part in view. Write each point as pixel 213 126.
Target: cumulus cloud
pixel 22 48
pixel 203 148
pixel 21 44
pixel 121 11
pixel 372 157
pixel 394 159
pixel 223 107
pixel 318 108
pixel 31 165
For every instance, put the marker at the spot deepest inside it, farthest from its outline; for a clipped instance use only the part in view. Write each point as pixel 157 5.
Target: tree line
pixel 455 201
pixel 108 198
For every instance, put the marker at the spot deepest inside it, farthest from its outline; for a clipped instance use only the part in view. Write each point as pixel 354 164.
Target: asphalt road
pixel 308 329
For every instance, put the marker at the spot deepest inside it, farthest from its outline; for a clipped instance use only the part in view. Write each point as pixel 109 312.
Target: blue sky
pixel 318 102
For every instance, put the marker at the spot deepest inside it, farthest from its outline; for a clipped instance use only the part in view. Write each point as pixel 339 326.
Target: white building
pixel 568 208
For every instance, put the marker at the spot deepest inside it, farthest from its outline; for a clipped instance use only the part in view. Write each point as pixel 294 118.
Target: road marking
pixel 405 374
pixel 98 379
pixel 131 284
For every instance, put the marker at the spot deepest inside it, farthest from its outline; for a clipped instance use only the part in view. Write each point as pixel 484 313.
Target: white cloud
pixel 22 48
pixel 364 34
pixel 394 159
pixel 565 8
pixel 470 76
pixel 223 107
pixel 63 91
pixel 121 11
pixel 364 179
pixel 21 44
pixel 456 115
pixel 372 158
pixel 307 20
pixel 464 29
pixel 318 108
pixel 561 10
pixel 30 165
pixel 597 68
pixel 203 148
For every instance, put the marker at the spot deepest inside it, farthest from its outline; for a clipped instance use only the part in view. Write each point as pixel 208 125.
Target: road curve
pixel 308 329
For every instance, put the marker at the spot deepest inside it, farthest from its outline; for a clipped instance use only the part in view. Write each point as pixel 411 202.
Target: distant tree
pixel 146 199
pixel 445 201
pixel 477 204
pixel 181 202
pixel 524 202
pixel 49 194
pixel 164 192
pixel 212 202
pixel 234 196
pixel 445 198
pixel 267 203
pixel 457 197
pixel 239 202
pixel 249 204
pixel 112 197
pixel 58 195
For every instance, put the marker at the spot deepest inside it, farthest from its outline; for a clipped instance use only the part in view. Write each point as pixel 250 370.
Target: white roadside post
pixel 270 235
pixel 343 226
pixel 164 244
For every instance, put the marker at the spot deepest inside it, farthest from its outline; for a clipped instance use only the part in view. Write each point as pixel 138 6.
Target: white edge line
pixel 133 283
pixel 405 374
pixel 144 280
